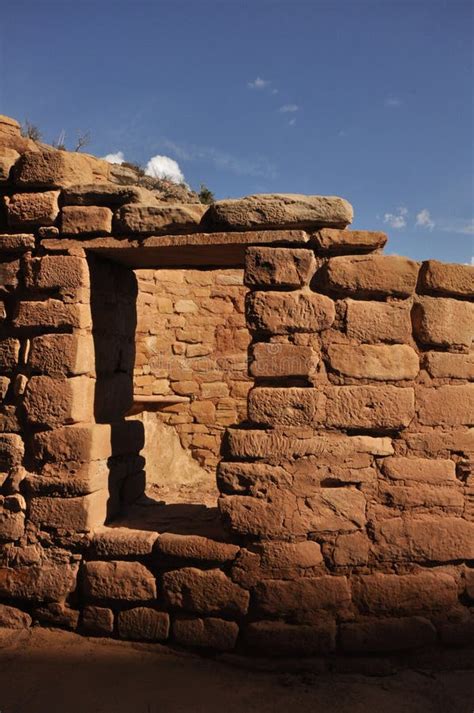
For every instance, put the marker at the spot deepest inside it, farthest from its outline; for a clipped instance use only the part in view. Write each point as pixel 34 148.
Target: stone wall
pixel 345 481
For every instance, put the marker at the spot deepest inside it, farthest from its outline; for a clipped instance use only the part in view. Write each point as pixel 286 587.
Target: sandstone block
pixel 12 451
pixel 117 542
pixel 79 514
pixel 444 322
pixel 9 272
pixel 127 581
pixel 8 158
pixel 9 354
pixel 49 581
pixel 249 478
pixel 306 594
pixel 62 355
pixel 203 411
pixel 448 499
pixel 204 592
pixel 293 406
pixel 444 365
pixel 51 313
pixel 395 594
pixel 159 218
pixel 336 510
pixel 12 518
pixel 276 638
pixel 25 210
pixel 371 407
pixel 86 220
pixel 59 169
pixel 97 621
pixel 334 242
pixel 104 194
pixel 282 267
pixel 351 549
pixel 278 360
pixel 283 313
pixel 422 470
pixel 19 243
pixel 382 363
pixel 446 278
pixel 395 634
pixel 12 618
pixel 290 558
pixel 10 136
pixel 209 633
pixel 378 321
pixel 280 210
pixel 53 272
pixel 193 547
pixel 143 624
pixel 371 275
pixel 446 405
pixel 54 402
pixel 427 538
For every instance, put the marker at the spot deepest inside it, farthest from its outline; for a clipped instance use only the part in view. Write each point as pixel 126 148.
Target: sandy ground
pixel 44 671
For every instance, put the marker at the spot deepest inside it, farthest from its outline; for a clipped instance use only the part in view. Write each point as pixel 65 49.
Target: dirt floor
pixel 45 671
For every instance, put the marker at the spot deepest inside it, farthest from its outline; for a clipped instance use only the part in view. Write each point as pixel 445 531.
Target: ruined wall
pixel 345 495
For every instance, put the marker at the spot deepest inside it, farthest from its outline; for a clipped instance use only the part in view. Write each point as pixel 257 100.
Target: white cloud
pixel 464 229
pixel 164 167
pixel 393 102
pixel 424 219
pixel 288 108
pixel 292 122
pixel 114 157
pixel 259 83
pixel 398 219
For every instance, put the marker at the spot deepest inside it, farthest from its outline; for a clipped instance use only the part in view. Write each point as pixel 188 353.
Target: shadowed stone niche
pixel 238 427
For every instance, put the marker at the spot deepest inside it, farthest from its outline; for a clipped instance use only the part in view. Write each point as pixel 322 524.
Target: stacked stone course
pixel 346 495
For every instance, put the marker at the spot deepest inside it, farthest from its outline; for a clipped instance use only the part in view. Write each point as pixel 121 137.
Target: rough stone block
pixel 336 510
pixel 334 242
pixel 371 407
pixel 54 402
pixel 103 194
pixel 289 558
pixel 381 363
pixel 126 581
pixel 209 633
pixel 193 548
pixel 9 353
pixel 278 598
pixel 62 355
pixel 446 405
pixel 397 634
pixel 25 210
pixel 97 621
pixel 117 542
pixel 204 592
pixel 426 538
pixel 51 314
pixel 293 406
pixel 143 624
pixel 371 275
pixel 86 220
pixel 12 518
pixel 249 478
pixel 444 365
pixel 284 313
pixel 8 158
pixel 276 638
pixel 12 618
pixel 281 267
pixel 19 243
pixel 444 322
pixel 159 218
pixel 421 470
pixel 58 169
pixel 446 278
pixel 49 581
pixel 351 549
pixel 57 272
pixel 397 594
pixel 12 451
pixel 280 360
pixel 9 271
pixel 415 496
pixel 79 514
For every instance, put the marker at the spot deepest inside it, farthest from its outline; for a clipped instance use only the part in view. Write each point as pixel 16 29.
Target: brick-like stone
pixel 12 451
pixel 351 549
pixel 446 365
pixel 193 548
pixel 12 518
pixel 284 313
pixel 415 496
pixel 104 194
pixel 12 618
pixel 332 241
pixel 9 354
pixel 288 558
pixel 45 582
pixel 427 538
pixel 117 542
pixel 25 210
pixel 19 243
pixel 59 169
pixel 55 402
pixel 277 638
pixel 371 407
pixel 204 592
pixel 80 514
pixel 86 220
pixel 51 313
pixel 446 405
pixel 97 621
pixel 378 362
pixel 8 158
pixel 374 275
pixel 396 634
pixel 279 360
pixel 62 355
pixel 293 406
pixel 9 272
pixel 421 470
pixel 336 510
pixel 298 597
pixel 159 218
pixel 209 633
pixel 444 322
pixel 57 272
pixel 127 581
pixel 143 624
pixel 281 267
pixel 446 278
pixel 395 594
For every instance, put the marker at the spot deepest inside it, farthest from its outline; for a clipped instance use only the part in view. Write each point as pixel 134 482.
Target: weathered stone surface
pixel 446 278
pixel 381 363
pixel 435 441
pixel 446 405
pixel 10 136
pixel 421 470
pixel 279 210
pixel 204 592
pixel 57 614
pixel 336 510
pixel 8 158
pixel 104 194
pixel 287 559
pixel 59 169
pixel 51 313
pixel 374 275
pixel 143 624
pixel 12 518
pixel 19 243
pixel 86 220
pixel 9 272
pixel 56 402
pixel 396 634
pixel 250 478
pixel 12 450
pixel 57 272
pixel 277 360
pixel 426 538
pixel 158 218
pixel 209 633
pixel 122 542
pixel 415 496
pixel 193 547
pixel 9 353
pixel 351 549
pixel 276 638
pixel 306 594
pixel 329 240
pixel 62 355
pixel 128 581
pixel 77 514
pixel 370 407
pixel 444 322
pixel 283 313
pixel 293 406
pixel 97 621
pixel 25 210
pixel 445 365
pixel 394 594
pixel 47 582
pixel 281 267
pixel 12 618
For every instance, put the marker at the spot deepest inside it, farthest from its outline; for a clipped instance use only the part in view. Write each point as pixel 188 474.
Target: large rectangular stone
pixel 337 242
pixel 421 470
pixel 286 406
pixel 49 581
pixel 58 168
pixel 393 594
pixel 281 360
pixel 209 633
pixel 204 592
pixel 287 312
pixel 158 218
pixel 53 402
pixel 62 354
pixel 370 407
pixel 447 278
pixel 80 514
pixel 446 365
pixel 26 210
pixel 119 581
pixel 9 354
pixel 18 243
pixel 444 322
pixel 374 275
pixel 52 313
pixel 86 220
pixel 278 267
pixel 446 405
pixel 57 272
pixel 297 597
pixel 379 362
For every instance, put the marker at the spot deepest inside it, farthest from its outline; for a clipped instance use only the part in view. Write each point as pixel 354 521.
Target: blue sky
pixel 368 99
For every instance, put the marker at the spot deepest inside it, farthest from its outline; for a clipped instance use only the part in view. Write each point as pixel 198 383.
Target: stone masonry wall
pixel 346 485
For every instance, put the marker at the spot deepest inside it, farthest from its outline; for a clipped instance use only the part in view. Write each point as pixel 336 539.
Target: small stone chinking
pixel 342 440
